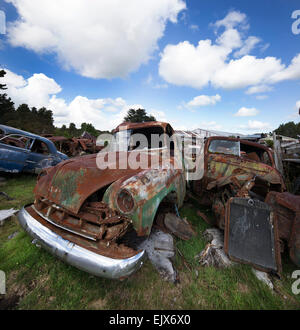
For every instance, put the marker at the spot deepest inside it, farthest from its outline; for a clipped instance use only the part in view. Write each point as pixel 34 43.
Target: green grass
pixel 41 281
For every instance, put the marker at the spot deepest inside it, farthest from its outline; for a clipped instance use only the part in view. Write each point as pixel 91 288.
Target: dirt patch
pixel 98 304
pixel 243 288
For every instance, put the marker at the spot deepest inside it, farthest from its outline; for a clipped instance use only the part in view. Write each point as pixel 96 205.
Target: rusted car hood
pixel 70 183
pixel 221 166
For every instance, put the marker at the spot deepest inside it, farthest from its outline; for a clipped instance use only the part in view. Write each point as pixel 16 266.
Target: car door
pixel 39 157
pixel 14 152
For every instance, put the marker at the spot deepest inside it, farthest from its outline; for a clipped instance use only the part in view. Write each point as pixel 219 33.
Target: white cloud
pixel 96 38
pixel 291 72
pixel 259 89
pixel 204 100
pixel 230 40
pixel 41 91
pixel 186 65
pixel 257 126
pixel 211 62
pixel 249 44
pixel 246 71
pixel 231 20
pixel 298 104
pixel 246 112
pixel 35 91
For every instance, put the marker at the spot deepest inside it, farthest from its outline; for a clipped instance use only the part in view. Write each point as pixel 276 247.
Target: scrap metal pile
pixel 74 146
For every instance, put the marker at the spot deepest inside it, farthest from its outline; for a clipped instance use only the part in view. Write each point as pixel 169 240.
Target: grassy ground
pixel 37 280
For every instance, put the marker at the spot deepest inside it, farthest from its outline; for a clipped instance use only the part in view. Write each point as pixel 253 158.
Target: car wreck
pixel 21 151
pixel 74 146
pixel 92 218
pixel 235 168
pixel 247 194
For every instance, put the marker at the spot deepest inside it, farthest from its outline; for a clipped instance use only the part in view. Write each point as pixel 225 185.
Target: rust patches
pixel 98 207
pixel 230 175
pixel 102 247
pixel 95 221
pixel 287 209
pixel 74 146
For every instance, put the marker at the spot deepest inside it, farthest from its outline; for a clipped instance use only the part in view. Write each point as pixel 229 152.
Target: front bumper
pixel 77 256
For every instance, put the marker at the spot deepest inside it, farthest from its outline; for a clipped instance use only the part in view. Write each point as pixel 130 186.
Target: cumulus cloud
pixel 93 37
pixel 246 112
pixel 35 91
pixel 41 91
pixel 225 63
pixel 204 100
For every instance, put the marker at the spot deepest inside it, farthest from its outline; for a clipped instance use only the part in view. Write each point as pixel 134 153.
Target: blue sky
pixel 216 64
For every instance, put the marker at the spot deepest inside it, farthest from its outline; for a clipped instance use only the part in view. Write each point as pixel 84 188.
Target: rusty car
pixel 74 146
pixel 235 168
pixel 22 151
pixel 93 218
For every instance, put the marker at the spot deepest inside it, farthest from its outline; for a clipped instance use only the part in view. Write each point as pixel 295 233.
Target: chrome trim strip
pixel 77 256
pixel 61 227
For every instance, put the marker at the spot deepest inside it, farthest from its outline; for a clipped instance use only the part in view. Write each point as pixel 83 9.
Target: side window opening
pixel 16 140
pixel 254 153
pixel 40 147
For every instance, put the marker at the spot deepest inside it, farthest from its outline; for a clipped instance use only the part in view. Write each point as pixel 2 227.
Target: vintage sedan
pixel 92 218
pixel 21 151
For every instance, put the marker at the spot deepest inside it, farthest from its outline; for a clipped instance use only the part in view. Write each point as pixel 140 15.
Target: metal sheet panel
pixel 251 234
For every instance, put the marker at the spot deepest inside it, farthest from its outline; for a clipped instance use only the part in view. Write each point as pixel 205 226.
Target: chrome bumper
pixel 77 256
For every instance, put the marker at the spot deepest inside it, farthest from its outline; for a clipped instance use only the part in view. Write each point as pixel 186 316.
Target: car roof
pixel 129 125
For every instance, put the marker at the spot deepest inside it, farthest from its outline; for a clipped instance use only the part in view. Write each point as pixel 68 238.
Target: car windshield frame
pixel 122 141
pixel 226 147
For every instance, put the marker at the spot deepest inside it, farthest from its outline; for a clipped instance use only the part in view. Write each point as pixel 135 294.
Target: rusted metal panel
pixel 287 209
pixel 179 227
pixel 251 234
pixel 74 181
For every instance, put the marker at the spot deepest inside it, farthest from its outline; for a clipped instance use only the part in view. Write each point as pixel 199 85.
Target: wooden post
pixel 277 154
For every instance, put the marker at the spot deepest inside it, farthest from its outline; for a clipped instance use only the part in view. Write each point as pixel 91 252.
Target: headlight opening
pixel 125 201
